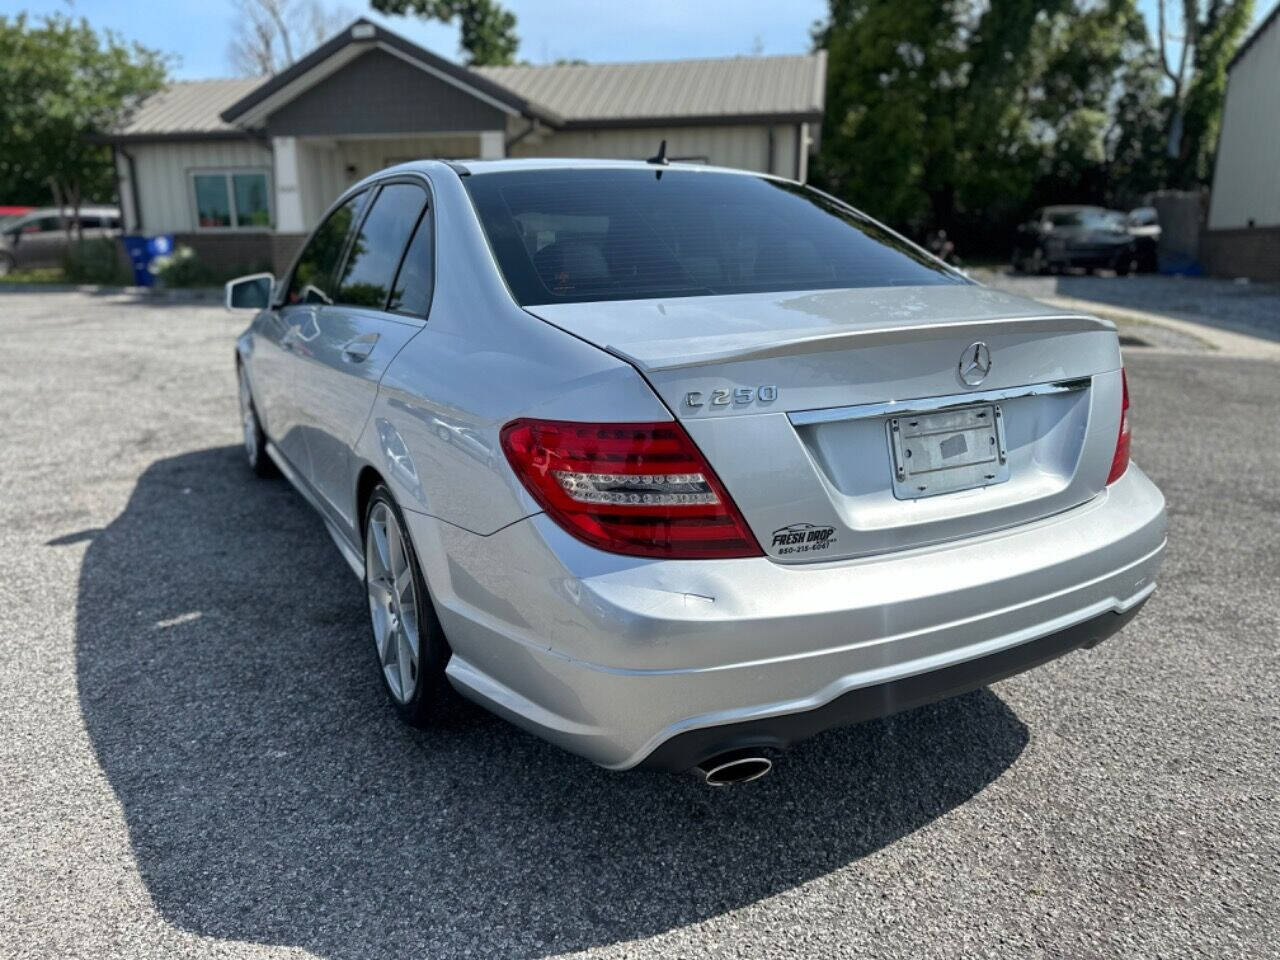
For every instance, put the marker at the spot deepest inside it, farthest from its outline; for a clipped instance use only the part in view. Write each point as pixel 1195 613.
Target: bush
pixel 184 268
pixel 94 261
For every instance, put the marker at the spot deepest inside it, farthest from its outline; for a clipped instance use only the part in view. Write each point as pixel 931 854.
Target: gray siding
pixel 745 147
pixel 1246 185
pixel 381 94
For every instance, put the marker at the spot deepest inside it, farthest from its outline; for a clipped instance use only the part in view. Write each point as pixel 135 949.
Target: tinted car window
pixel 42 225
pixel 313 277
pixel 378 246
pixel 575 235
pixel 1070 218
pixel 412 290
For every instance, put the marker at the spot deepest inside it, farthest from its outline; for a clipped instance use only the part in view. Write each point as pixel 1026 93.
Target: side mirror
pixel 250 293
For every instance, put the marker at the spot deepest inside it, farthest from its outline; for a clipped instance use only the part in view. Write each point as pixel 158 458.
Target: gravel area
pixel 197 759
pixel 1239 306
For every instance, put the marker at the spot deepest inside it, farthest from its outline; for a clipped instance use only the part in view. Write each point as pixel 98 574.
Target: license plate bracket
pixel 947 451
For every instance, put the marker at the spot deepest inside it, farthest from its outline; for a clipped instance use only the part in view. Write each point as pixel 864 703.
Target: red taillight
pixel 1120 462
pixel 641 489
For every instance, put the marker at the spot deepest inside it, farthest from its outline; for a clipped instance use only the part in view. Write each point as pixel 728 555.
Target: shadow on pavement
pixel 227 685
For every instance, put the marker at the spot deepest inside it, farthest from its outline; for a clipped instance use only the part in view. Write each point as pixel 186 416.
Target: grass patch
pixel 40 275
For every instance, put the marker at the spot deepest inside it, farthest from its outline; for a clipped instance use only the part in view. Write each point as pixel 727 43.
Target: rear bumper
pixel 688 749
pixel 1106 257
pixel 664 663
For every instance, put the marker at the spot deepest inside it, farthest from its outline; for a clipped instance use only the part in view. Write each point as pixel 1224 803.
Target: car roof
pixel 510 165
pixel 86 210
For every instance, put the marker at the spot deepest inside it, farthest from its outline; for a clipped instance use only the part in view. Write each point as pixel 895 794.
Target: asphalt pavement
pixel 196 759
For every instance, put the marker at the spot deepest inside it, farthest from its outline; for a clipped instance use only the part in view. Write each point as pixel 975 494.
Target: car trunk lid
pixel 794 399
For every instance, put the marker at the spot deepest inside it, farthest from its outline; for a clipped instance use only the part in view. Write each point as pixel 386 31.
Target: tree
pixel 962 115
pixel 64 86
pixel 274 33
pixel 488 30
pixel 1211 32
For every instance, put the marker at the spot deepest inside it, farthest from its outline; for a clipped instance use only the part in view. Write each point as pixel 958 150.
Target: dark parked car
pixel 1062 237
pixel 39 238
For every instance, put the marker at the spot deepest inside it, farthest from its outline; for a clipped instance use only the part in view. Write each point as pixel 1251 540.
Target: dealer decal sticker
pixel 802 538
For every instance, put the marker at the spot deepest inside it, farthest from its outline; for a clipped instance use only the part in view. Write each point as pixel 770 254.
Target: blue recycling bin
pixel 142 250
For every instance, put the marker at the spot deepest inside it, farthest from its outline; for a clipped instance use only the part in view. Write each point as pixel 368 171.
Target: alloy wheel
pixel 393 601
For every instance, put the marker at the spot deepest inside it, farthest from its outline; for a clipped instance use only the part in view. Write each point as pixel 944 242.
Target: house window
pixel 232 199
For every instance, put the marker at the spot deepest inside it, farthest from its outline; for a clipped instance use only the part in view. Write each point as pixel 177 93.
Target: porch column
pixel 288 184
pixel 493 144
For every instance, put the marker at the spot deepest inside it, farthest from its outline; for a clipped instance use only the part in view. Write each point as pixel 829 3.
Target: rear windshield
pixel 579 235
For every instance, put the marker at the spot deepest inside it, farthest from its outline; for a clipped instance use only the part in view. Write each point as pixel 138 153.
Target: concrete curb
pixel 175 295
pixel 1227 342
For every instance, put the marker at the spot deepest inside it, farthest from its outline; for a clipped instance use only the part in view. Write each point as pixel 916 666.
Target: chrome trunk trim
pixel 864 411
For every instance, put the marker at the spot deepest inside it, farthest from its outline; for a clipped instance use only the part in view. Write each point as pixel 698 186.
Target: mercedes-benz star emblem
pixel 975 363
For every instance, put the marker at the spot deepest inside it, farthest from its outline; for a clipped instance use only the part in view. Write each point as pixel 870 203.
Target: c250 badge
pixel 802 538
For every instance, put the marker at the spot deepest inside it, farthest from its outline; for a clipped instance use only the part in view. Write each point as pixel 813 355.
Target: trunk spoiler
pixel 681 352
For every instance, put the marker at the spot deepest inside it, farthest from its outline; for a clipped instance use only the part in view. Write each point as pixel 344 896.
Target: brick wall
pixel 1252 252
pixel 284 247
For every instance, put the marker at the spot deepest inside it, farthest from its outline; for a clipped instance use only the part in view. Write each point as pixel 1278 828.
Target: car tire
pixel 7 264
pixel 409 645
pixel 1124 266
pixel 254 438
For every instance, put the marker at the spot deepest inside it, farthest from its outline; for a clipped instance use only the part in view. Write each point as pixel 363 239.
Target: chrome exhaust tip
pixel 730 769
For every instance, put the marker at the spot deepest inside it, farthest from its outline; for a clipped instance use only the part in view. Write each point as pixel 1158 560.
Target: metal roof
pixel 735 89
pixel 189 107
pixel 597 94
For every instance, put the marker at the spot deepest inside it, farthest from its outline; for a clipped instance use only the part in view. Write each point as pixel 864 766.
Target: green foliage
pixel 947 113
pixel 63 85
pixel 184 268
pixel 1200 85
pixel 488 29
pixel 95 261
pixel 36 275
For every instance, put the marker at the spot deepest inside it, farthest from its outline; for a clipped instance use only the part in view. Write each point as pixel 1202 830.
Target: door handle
pixel 358 350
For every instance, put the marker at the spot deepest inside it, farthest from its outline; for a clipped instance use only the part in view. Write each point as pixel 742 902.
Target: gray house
pixel 241 170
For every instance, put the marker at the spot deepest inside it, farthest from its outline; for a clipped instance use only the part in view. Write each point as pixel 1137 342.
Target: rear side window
pixel 411 293
pixel 1069 218
pixel 378 246
pixel 313 277
pixel 581 235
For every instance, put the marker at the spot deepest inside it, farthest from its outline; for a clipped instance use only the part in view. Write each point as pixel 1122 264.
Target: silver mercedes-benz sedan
pixel 674 466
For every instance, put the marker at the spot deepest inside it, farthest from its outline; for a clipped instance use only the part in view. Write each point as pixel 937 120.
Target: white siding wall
pixel 1246 183
pixel 164 181
pixel 330 166
pixel 745 147
pixel 327 167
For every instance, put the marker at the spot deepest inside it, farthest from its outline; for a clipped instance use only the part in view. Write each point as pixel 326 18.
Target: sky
pixel 198 31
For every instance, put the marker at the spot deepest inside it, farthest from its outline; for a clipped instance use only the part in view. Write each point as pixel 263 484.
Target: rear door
pixel 285 334
pixel 380 299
